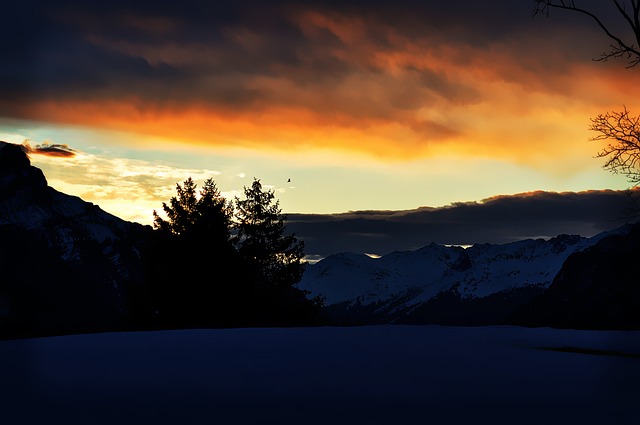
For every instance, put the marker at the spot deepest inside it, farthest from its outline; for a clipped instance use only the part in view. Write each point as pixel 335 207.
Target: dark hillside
pixel 598 288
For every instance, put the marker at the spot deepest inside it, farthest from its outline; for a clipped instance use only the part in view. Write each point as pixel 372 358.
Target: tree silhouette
pixel 623 152
pixel 215 263
pixel 192 216
pixel 620 129
pixel 190 253
pixel 261 238
pixel 629 10
pixel 181 212
pixel 272 259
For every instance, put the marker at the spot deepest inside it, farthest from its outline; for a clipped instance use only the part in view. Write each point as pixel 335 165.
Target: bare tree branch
pixel 622 153
pixel 633 204
pixel 619 129
pixel 623 11
pixel 619 48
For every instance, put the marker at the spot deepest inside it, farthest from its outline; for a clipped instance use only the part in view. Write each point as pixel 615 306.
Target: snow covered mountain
pixel 63 261
pixel 482 284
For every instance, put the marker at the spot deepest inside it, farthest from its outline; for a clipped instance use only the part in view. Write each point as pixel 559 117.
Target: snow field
pixel 369 375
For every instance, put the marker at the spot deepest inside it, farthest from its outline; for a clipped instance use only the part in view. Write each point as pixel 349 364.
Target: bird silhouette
pixel 289 181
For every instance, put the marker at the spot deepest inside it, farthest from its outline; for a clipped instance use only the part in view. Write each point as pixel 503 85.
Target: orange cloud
pixel 391 89
pixel 49 149
pixel 275 128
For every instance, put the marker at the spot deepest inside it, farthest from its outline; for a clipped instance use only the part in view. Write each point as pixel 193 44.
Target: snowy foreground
pixel 359 375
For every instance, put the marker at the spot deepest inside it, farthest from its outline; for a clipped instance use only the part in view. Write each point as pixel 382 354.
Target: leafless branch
pixel 619 48
pixel 632 212
pixel 622 153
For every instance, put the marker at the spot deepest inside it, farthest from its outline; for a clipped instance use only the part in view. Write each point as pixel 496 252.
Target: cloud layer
pixel 393 81
pixel 500 219
pixel 131 189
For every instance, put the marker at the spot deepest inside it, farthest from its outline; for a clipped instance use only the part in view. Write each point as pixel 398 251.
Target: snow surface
pixel 356 375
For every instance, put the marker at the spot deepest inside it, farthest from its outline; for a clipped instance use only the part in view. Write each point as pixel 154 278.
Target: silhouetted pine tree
pixel 261 238
pixel 201 275
pixel 190 255
pixel 272 259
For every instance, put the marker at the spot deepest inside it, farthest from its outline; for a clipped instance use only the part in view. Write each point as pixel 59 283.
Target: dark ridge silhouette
pixel 597 288
pixel 13 158
pixel 66 265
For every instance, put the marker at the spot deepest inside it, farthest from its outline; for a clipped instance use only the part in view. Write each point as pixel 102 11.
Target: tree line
pixel 213 262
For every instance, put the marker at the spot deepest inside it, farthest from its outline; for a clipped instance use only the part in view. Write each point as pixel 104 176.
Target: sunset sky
pixel 370 105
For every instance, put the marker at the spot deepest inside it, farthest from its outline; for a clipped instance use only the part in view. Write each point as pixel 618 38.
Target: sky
pixel 361 105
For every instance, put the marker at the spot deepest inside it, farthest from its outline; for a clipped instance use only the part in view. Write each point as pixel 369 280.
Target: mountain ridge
pixel 398 287
pixel 66 264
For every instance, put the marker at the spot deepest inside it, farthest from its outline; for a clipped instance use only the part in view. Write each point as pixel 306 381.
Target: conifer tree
pixel 191 216
pixel 251 265
pixel 196 233
pixel 275 257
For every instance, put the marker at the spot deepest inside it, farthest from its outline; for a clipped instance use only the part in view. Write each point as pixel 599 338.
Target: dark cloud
pixel 49 149
pixel 344 72
pixel 102 49
pixel 500 219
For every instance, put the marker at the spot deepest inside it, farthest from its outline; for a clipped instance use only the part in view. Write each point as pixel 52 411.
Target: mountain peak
pixel 12 157
pixel 16 170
